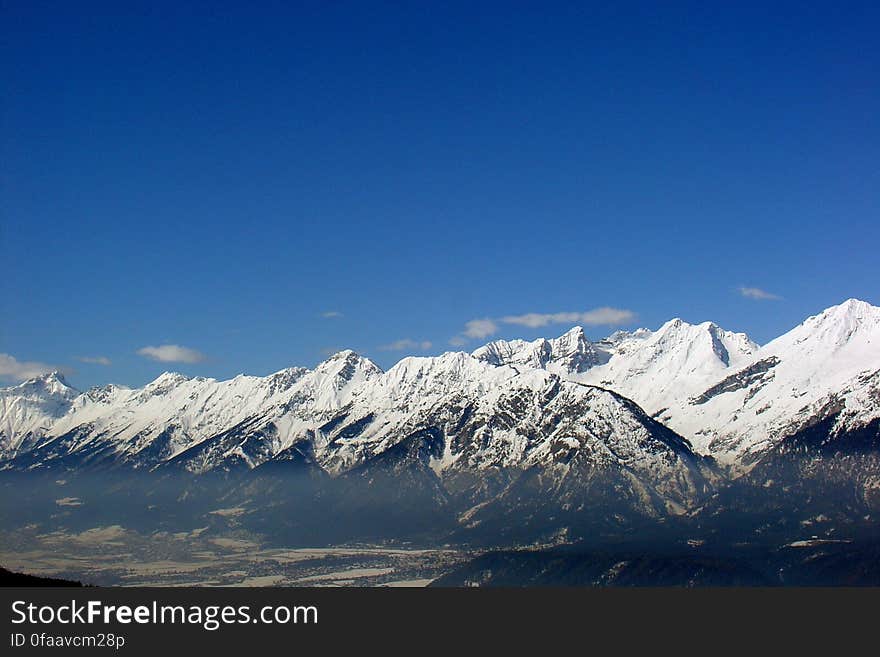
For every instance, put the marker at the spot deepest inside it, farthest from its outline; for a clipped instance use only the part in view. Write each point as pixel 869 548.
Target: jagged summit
pixel 830 361
pixel 346 362
pixel 51 385
pixel 55 375
pixel 570 352
pixel 620 336
pixel 169 377
pixel 343 354
pixel 29 409
pixel 575 334
pixel 716 387
pixel 340 374
pixel 722 390
pixel 50 380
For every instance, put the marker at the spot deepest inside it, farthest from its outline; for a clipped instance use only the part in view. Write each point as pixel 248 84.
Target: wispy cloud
pixel 332 314
pixel 483 328
pixel 757 293
pixel 12 369
pixel 480 328
pixel 95 360
pixel 406 345
pixel 604 316
pixel 172 353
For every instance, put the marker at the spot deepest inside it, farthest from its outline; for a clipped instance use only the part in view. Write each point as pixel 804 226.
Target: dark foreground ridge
pixel 8 578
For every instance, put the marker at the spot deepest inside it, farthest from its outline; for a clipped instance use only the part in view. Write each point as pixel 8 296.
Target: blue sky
pixel 258 186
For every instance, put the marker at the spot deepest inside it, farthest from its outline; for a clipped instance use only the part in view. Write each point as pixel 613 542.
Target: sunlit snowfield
pixel 115 556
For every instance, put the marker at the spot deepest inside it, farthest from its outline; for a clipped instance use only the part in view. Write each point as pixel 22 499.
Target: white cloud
pixel 604 316
pixel 757 293
pixel 476 328
pixel 406 344
pixel 172 353
pixel 12 369
pixel 332 314
pixel 480 328
pixel 95 360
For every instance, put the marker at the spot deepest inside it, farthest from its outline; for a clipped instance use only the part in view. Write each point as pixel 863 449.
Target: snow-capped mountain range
pixel 509 404
pixel 731 398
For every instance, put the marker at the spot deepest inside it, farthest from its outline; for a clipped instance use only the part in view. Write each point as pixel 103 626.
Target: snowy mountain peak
pixel 677 328
pixel 573 352
pixel 166 381
pixel 169 377
pixel 29 409
pixel 652 367
pixel 105 394
pixel 55 375
pixel 570 341
pixel 715 387
pixel 621 336
pixel 828 360
pixel 283 379
pixel 347 364
pixel 52 384
pixel 343 354
pixel 570 352
pixel 852 313
pixel 656 367
pixel 163 384
pixel 574 333
pixel 452 364
pixel 852 326
pixel 722 341
pixel 855 306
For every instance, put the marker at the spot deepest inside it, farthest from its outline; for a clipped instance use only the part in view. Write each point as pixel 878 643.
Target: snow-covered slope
pixel 830 364
pixel 149 425
pixel 29 410
pixel 454 423
pixel 497 418
pixel 731 398
pixel 472 417
pixel 655 368
pixel 567 354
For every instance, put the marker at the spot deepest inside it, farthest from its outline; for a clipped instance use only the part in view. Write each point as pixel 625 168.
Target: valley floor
pixel 115 556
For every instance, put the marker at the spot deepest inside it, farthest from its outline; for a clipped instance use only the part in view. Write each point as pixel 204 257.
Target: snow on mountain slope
pixel 566 430
pixel 375 416
pixel 29 409
pixel 729 397
pixel 473 421
pixel 171 414
pixel 653 368
pixel 347 414
pixel 658 368
pixel 567 354
pixel 828 364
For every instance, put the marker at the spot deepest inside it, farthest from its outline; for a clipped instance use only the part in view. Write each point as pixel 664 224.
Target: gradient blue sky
pixel 218 176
